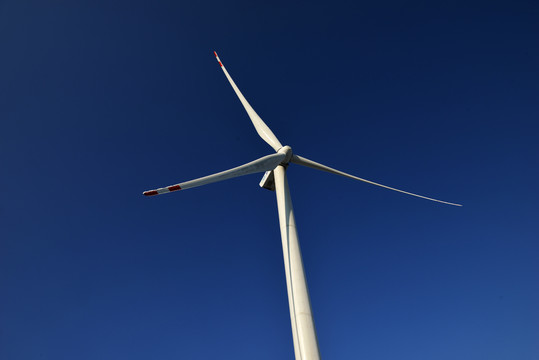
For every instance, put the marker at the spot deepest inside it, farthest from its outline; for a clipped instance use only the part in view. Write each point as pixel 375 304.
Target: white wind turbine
pixel 274 166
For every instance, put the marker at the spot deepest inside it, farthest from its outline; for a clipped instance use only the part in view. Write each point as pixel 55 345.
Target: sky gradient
pixel 100 101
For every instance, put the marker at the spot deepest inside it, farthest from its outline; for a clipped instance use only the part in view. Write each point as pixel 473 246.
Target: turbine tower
pixel 274 166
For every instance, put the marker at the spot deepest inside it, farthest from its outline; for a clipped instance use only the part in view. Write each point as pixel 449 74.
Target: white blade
pixel 261 128
pixel 265 163
pixel 309 163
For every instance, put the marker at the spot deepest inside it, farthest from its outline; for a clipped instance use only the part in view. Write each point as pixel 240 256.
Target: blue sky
pixel 100 101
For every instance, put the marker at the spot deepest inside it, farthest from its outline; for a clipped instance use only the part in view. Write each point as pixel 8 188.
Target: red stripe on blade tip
pixel 150 193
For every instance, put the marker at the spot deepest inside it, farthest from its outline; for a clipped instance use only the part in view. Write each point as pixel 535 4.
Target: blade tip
pixel 150 193
pixel 218 60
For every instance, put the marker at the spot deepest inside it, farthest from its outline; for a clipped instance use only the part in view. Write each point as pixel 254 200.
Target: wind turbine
pixel 274 166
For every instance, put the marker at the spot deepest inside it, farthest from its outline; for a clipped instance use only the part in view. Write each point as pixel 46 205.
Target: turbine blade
pixel 265 163
pixel 309 163
pixel 261 128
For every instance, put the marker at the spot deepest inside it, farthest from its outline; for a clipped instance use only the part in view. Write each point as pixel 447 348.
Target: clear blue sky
pixel 100 101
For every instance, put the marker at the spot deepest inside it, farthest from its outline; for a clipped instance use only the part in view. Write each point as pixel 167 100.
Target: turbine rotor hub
pixel 287 150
